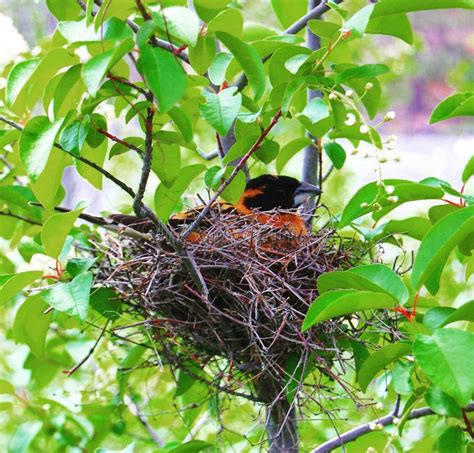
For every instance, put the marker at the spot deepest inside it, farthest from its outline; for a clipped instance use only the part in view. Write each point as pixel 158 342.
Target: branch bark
pixel 355 433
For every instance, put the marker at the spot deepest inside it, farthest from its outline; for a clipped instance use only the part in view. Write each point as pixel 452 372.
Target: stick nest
pixel 261 283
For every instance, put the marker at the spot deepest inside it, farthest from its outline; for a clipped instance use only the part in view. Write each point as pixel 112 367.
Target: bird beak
pixel 304 192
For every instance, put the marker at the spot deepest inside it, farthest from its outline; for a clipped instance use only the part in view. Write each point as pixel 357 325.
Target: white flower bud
pixel 364 205
pixel 365 155
pixel 371 450
pixel 392 199
pixel 396 421
pixel 349 93
pixel 377 207
pixel 382 160
pixel 368 86
pixel 332 96
pixel 354 152
pixel 372 427
pixel 364 129
pixel 397 159
pixel 391 146
pixel 83 54
pixel 379 426
pixel 379 406
pixel 389 189
pixel 351 119
pixel 389 116
pixel 392 138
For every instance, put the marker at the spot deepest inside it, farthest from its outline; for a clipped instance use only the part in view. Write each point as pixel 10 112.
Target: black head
pixel 268 192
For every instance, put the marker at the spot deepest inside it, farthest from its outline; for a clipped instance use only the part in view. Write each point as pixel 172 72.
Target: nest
pixel 247 333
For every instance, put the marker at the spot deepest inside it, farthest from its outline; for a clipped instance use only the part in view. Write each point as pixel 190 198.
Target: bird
pixel 262 194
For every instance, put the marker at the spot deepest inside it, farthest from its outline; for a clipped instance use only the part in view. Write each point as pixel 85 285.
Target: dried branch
pixel 91 164
pixel 355 433
pixel 231 177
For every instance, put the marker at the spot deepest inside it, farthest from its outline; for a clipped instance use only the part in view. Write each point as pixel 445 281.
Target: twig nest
pixel 261 281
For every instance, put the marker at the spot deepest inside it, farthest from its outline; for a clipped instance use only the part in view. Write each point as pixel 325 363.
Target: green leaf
pixel 361 72
pixel 415 227
pixel 295 374
pixel 56 229
pixel 316 110
pixel 32 324
pixel 452 440
pixel 444 358
pixel 201 55
pixel 74 135
pixel 6 388
pixel 289 11
pixel 371 277
pixel 181 23
pixel 401 378
pixel 372 193
pixel 76 266
pixel 12 284
pixel 36 142
pixel 68 92
pixel 289 150
pixel 249 61
pixel 71 298
pixel 63 10
pixel 268 151
pixel 96 155
pixel 294 63
pixel 18 77
pixel 221 109
pixel 239 148
pixel 435 316
pixel 397 25
pixel 23 436
pixel 357 24
pixel 343 302
pixel 464 313
pixel 276 66
pixel 230 21
pixel 336 154
pixel 78 32
pixel 167 198
pixel 218 68
pixel 193 446
pixel 460 104
pixel 441 403
pixel 388 7
pixel 438 243
pixel 379 360
pixel 468 170
pixel 323 28
pixel 106 302
pixel 98 66
pixel 166 162
pixel 164 76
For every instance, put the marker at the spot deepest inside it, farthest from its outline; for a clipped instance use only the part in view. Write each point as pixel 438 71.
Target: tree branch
pixel 355 433
pixel 231 177
pixel 91 164
pixel 119 140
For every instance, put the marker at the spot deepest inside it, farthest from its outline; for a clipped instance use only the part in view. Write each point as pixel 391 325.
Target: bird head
pixel 268 192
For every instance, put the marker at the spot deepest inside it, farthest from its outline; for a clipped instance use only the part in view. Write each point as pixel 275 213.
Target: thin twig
pixel 208 156
pixel 91 164
pixel 89 354
pixel 355 433
pixel 10 214
pixel 328 173
pixel 231 177
pixel 143 10
pixel 119 140
pixel 124 81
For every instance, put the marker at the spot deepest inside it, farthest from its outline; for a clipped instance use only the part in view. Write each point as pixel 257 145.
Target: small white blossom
pixel 392 199
pixel 379 426
pixel 371 450
pixel 332 96
pixel 365 155
pixel 382 160
pixel 397 159
pixel 391 146
pixel 392 138
pixel 389 116
pixel 396 421
pixel 372 427
pixel 349 93
pixel 389 189
pixel 368 86
pixel 351 119
pixel 379 406
pixel 364 129
pixel 364 205
pixel 377 207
